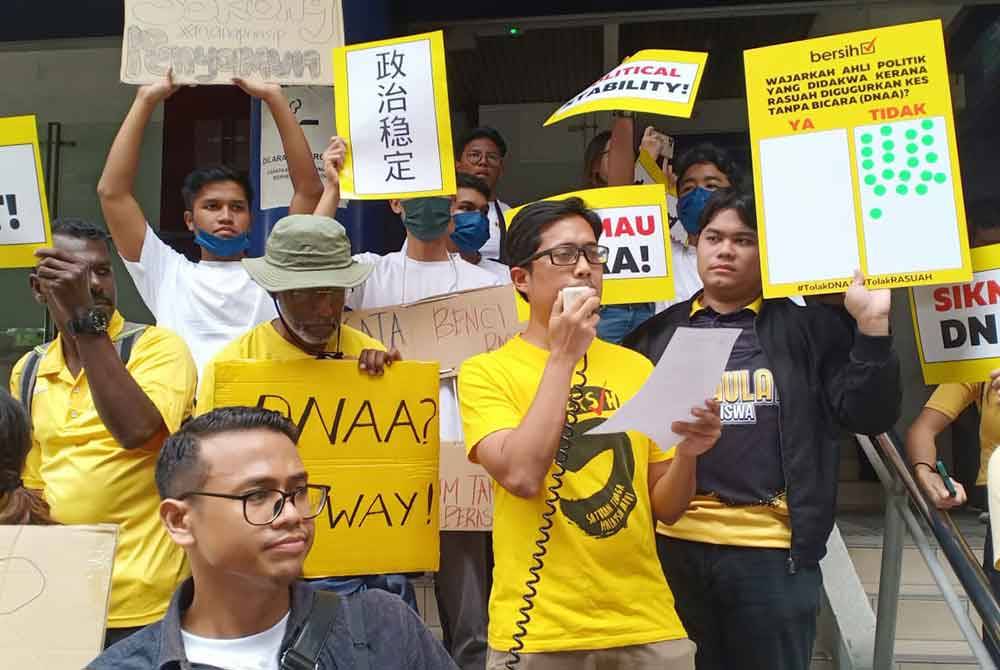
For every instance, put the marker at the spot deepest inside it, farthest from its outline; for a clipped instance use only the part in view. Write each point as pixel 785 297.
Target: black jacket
pixel 828 374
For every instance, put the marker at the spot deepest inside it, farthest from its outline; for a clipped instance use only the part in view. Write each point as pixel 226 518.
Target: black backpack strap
pixel 29 374
pixel 359 634
pixel 126 339
pixel 502 222
pixel 303 654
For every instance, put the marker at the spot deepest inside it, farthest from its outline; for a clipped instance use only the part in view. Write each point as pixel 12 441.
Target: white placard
pixel 21 219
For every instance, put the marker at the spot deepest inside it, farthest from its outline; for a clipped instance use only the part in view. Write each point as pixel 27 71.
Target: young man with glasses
pixel 481 152
pixel 595 595
pixel 237 499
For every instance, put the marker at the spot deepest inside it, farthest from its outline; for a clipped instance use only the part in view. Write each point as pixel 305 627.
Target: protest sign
pixel 853 146
pixel 24 211
pixel 392 108
pixel 373 440
pixel 956 324
pixel 313 108
pixel 635 219
pixel 654 80
pixel 54 587
pixel 447 329
pixel 648 172
pixel 466 491
pixel 212 41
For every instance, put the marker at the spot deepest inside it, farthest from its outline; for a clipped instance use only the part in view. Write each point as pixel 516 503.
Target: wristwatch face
pixel 93 322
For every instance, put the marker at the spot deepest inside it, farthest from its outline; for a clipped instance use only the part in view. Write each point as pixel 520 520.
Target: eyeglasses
pixel 262 506
pixel 476 157
pixel 569 254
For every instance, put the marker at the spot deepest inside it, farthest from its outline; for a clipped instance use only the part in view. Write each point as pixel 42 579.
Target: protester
pixel 210 302
pixel 481 152
pixel 743 559
pixel 238 500
pixel 19 505
pixel 590 592
pixel 472 232
pixel 102 397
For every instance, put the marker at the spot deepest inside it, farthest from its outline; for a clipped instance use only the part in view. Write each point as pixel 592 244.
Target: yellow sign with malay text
pixel 373 440
pixel 24 210
pixel 855 162
pixel 391 104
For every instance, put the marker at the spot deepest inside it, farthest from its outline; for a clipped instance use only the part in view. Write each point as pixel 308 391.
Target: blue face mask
pixel 690 206
pixel 472 231
pixel 223 247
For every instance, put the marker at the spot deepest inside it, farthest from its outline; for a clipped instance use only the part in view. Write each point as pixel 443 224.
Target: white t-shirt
pixel 491 249
pixel 495 268
pixel 255 652
pixel 686 279
pixel 385 287
pixel 208 303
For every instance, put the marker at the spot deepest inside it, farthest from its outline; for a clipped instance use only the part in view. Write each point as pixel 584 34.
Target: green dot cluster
pixel 913 148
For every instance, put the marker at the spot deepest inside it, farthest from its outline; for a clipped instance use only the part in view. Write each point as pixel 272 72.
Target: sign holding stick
pixel 212 41
pixel 374 441
pixel 853 146
pixel 24 211
pixel 392 108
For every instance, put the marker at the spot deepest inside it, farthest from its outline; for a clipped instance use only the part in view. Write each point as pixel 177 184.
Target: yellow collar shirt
pixel 88 478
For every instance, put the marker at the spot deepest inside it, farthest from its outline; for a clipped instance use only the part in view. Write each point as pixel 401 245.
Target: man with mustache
pixel 103 396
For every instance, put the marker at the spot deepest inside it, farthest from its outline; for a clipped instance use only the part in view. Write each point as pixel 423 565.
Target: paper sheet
pixel 688 374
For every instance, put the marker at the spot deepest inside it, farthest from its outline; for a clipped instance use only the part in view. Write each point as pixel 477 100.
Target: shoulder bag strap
pixel 29 373
pixel 359 634
pixel 304 652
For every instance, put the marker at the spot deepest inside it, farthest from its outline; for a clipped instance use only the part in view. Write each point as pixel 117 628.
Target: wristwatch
pixel 91 322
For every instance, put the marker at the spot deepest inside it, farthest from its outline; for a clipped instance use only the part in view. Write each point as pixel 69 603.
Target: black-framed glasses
pixel 476 157
pixel 262 506
pixel 569 254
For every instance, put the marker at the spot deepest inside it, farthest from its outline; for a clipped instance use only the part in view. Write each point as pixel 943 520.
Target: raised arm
pixel 301 166
pixel 621 153
pixel 333 163
pixel 122 212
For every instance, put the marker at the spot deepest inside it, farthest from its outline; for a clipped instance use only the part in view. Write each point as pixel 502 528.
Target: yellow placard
pixel 657 81
pixel 636 230
pixel 24 210
pixel 391 104
pixel 374 440
pixel 855 161
pixel 956 325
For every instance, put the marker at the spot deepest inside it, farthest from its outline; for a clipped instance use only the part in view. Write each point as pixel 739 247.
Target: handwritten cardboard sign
pixel 55 582
pixel 466 491
pixel 212 41
pixel 448 329
pixel 374 440
pixel 24 211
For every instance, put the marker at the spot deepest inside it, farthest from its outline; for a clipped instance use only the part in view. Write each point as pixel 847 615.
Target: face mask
pixel 690 206
pixel 472 231
pixel 223 247
pixel 427 218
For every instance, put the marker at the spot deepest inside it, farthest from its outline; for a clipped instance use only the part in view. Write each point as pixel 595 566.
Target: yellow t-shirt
pixel 952 399
pixel 87 477
pixel 265 343
pixel 601 585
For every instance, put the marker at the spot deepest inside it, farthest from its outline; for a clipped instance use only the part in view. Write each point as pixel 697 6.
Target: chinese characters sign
pixel 392 108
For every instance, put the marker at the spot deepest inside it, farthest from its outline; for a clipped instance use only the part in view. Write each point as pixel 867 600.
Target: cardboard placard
pixel 212 41
pixel 853 146
pixel 466 491
pixel 657 81
pixel 392 108
pixel 24 209
pixel 374 440
pixel 55 584
pixel 448 329
pixel 956 324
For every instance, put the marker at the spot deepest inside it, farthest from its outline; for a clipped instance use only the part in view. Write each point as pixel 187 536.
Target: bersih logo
pixel 846 51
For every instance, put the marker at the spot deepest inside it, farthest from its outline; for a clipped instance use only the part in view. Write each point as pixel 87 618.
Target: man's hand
pixel 933 486
pixel 995 382
pixel 870 309
pixel 256 88
pixel 65 281
pixel 654 143
pixel 701 434
pixel 572 331
pixel 374 361
pixel 159 91
pixel 333 160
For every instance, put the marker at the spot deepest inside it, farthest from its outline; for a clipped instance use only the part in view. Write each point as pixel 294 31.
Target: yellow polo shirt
pixel 952 399
pixel 87 477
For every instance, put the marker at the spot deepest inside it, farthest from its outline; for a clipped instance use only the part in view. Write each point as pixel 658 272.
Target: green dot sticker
pixel 867 152
pixel 876 213
pixel 927 124
pixel 902 189
pixel 913 162
pixel 888 174
pixel 926 175
pixel 904 175
pixel 871 179
pixel 866 138
pixel 940 177
pixel 888 145
pixel 888 158
pixel 912 148
pixel 880 190
pixel 927 140
pixel 911 134
pixel 921 189
pixel 868 164
pixel 931 157
pixel 886 131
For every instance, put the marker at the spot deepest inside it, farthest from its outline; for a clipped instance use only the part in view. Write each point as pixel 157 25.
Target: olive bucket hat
pixel 307 251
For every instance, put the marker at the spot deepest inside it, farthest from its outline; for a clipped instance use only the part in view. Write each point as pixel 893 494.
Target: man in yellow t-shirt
pixel 99 423
pixel 576 582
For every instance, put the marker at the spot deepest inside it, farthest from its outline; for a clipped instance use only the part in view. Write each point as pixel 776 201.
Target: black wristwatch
pixel 93 321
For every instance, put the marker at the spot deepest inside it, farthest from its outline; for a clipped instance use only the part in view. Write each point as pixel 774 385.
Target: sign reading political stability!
pixel 447 329
pixel 392 108
pixel 466 491
pixel 653 80
pixel 956 324
pixel 374 440
pixel 24 211
pixel 853 146
pixel 212 41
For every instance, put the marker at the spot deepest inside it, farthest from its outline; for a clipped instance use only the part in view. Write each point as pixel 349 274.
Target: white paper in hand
pixel 687 375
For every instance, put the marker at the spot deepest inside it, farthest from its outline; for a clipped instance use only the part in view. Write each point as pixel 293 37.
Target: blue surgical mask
pixel 472 231
pixel 223 247
pixel 690 206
